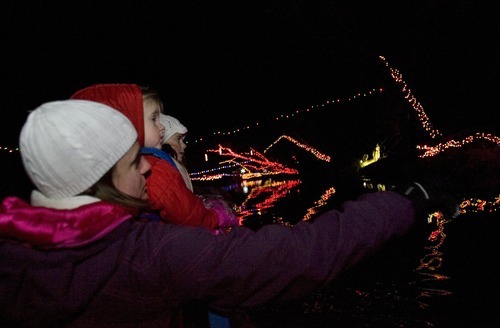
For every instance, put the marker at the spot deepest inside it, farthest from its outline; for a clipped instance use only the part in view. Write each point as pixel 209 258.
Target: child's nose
pixel 161 127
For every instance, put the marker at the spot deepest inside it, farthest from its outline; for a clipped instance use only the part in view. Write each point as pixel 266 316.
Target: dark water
pixel 436 276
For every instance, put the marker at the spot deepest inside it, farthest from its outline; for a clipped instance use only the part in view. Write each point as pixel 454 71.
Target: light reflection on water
pixel 430 265
pixel 263 195
pixel 414 293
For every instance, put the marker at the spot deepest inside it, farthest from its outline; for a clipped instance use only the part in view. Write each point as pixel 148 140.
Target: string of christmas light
pixel 313 151
pixel 434 150
pixel 215 177
pixel 477 205
pixel 422 116
pixel 225 167
pixel 254 164
pixel 395 74
pixel 289 115
pixel 9 149
pixel 438 234
pixel 319 203
pixel 295 113
pixel 249 168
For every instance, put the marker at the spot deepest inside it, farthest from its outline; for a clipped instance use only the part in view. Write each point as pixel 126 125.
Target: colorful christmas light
pixel 295 113
pixel 434 150
pixel 312 150
pixel 194 176
pixel 422 116
pixel 253 164
pixel 9 149
pixel 477 205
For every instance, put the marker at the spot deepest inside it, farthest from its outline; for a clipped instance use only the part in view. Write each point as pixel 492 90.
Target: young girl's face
pixel 153 130
pixel 177 143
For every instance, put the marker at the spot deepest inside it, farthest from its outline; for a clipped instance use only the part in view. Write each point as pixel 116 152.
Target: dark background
pixel 225 63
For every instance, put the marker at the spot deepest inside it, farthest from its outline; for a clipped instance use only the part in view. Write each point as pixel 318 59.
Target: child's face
pixel 177 143
pixel 153 130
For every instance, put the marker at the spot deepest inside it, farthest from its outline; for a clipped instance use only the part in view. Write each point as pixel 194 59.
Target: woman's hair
pixel 151 95
pixel 105 190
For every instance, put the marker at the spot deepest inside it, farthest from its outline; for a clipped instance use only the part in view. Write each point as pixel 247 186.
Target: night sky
pixel 227 62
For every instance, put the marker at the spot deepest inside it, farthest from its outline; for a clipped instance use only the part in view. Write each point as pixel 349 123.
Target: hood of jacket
pixel 126 98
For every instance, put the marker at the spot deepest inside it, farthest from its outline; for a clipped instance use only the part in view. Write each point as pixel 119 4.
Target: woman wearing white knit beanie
pixel 77 256
pixel 69 146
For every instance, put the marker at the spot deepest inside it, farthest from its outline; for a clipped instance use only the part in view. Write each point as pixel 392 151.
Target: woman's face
pixel 153 130
pixel 128 173
pixel 177 143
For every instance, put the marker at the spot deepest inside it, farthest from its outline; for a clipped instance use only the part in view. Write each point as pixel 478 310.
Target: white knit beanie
pixel 67 146
pixel 172 126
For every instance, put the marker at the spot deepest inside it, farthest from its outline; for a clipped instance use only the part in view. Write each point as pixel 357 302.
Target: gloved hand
pixel 225 215
pixel 430 199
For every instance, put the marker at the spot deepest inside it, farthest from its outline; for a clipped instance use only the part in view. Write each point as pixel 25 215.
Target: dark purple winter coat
pixel 143 274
